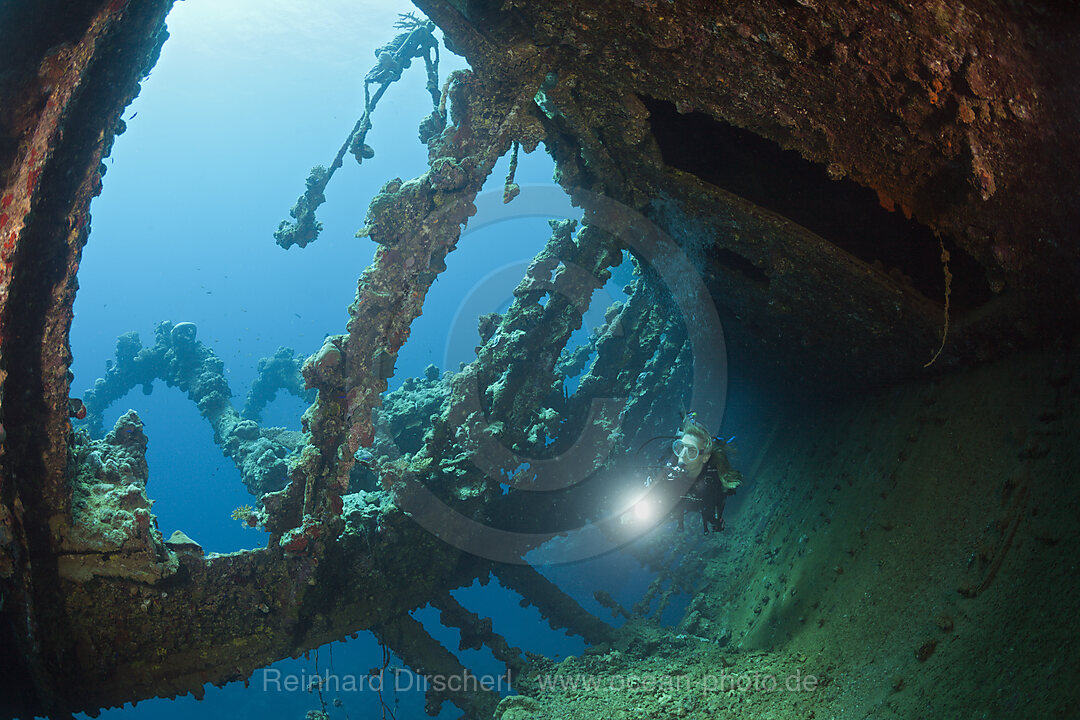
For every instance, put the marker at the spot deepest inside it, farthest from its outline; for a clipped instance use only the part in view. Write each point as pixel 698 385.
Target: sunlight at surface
pixel 217 148
pixel 245 99
pixel 296 32
pixel 247 96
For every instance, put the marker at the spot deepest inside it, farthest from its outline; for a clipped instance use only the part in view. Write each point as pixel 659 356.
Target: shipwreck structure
pixel 870 195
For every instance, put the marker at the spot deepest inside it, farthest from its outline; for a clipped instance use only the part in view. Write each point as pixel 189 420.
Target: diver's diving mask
pixel 691 452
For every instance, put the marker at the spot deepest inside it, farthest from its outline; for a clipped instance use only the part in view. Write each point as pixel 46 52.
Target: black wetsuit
pixel 707 495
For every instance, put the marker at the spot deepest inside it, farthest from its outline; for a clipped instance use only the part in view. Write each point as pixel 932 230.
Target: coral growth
pixel 113 531
pixel 181 360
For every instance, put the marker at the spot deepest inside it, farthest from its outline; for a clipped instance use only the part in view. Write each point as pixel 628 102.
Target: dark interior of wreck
pixel 880 201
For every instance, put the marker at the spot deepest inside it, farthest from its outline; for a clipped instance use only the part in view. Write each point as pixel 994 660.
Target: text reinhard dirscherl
pixel 403 680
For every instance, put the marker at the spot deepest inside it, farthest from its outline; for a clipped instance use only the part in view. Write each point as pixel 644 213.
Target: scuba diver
pixel 701 465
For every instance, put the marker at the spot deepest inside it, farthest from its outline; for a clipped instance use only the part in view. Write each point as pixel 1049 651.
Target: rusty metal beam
pixel 81 69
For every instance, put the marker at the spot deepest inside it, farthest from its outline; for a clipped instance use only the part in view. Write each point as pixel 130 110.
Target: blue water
pixel 247 96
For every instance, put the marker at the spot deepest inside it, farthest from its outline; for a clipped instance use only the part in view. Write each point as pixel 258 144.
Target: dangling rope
pixel 948 290
pixel 385 663
pixel 393 58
